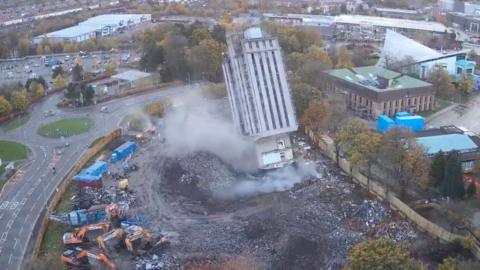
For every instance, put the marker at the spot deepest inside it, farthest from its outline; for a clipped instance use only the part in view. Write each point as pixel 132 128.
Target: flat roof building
pixel 373 90
pixel 448 139
pixel 102 25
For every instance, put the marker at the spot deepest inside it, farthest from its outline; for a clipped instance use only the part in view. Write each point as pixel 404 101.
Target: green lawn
pixel 66 127
pixel 439 105
pixel 15 123
pixel 10 151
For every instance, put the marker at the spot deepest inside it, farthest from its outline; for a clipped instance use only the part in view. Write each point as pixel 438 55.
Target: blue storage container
pixel 413 122
pixel 384 123
pixel 124 150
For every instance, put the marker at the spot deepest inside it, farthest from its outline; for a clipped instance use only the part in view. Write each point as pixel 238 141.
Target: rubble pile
pixel 157 262
pixel 400 231
pixel 212 173
pixel 85 197
pixel 370 213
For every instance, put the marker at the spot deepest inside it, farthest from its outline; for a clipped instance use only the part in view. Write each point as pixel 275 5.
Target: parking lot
pixel 20 70
pixel 464 115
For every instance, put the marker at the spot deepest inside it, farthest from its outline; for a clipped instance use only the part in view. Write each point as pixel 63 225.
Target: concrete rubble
pixel 400 231
pixel 156 262
pixel 370 213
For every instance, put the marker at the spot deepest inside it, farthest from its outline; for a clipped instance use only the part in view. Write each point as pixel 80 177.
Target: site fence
pixel 326 144
pixel 63 185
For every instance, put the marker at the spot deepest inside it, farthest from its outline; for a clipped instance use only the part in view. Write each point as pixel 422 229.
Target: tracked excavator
pixel 111 235
pixel 79 236
pixel 134 233
pixel 80 258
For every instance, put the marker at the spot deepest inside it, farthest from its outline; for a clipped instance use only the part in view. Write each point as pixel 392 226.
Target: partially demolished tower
pixel 259 95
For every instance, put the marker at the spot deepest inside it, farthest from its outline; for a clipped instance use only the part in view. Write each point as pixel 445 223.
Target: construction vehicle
pixel 79 236
pixel 134 233
pixel 80 258
pixel 105 238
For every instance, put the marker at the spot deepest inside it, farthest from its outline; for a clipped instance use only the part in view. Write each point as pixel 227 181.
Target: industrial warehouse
pixel 99 26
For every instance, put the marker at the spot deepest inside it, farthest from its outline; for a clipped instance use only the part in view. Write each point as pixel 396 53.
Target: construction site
pixel 185 194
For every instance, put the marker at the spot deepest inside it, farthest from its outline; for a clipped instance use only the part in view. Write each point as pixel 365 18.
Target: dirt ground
pixel 311 225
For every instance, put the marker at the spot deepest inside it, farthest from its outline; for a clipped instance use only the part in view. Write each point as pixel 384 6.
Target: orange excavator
pixel 135 233
pixel 80 258
pixel 80 236
pixel 104 238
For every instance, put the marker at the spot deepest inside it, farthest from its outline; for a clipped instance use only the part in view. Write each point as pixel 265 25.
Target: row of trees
pixel 446 175
pixel 184 52
pixel 445 86
pixel 384 254
pixel 16 97
pixel 306 60
pixel 396 152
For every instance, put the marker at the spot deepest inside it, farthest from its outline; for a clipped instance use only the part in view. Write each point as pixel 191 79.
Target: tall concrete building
pixel 259 94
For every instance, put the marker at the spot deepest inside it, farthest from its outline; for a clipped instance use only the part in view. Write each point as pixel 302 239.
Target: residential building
pixel 448 139
pixel 102 25
pixel 373 90
pixel 259 94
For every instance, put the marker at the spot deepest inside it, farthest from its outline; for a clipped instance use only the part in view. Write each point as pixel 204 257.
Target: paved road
pixel 467 116
pixel 24 200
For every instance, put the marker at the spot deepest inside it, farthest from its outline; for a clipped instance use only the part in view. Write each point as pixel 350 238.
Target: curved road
pixel 24 200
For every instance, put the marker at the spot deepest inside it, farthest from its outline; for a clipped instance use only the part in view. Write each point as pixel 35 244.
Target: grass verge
pixel 66 127
pixel 11 151
pixel 52 244
pixel 16 123
pixel 439 105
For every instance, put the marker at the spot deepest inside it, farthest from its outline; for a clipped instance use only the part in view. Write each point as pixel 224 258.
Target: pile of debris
pixel 400 231
pixel 85 197
pixel 157 262
pixel 369 213
pixel 202 169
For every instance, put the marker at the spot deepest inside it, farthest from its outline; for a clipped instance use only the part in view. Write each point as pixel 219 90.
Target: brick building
pixel 372 90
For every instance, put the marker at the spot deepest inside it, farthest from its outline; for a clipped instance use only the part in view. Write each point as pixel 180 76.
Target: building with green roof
pixel 373 90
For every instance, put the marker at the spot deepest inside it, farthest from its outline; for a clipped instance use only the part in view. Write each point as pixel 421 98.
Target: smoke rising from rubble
pixel 197 124
pixel 276 180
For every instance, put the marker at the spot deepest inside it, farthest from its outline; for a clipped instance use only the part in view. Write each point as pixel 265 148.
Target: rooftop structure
pixel 131 75
pixel 360 20
pixel 391 23
pixel 419 59
pixel 447 143
pixel 378 79
pixel 102 25
pixel 451 138
pixel 259 94
pixel 373 90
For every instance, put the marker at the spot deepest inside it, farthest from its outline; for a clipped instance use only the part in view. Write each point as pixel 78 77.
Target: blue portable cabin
pixel 98 168
pixel 411 121
pixel 123 150
pixel 384 123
